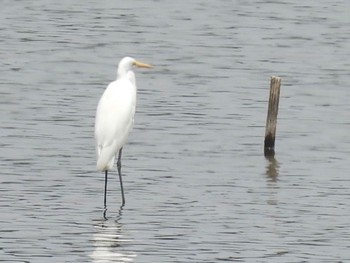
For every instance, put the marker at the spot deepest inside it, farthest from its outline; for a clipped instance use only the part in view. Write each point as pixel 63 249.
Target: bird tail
pixel 105 160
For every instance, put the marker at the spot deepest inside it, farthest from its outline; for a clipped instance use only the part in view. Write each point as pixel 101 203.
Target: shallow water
pixel 198 188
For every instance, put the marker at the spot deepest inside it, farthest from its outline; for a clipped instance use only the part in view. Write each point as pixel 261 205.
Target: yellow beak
pixel 141 65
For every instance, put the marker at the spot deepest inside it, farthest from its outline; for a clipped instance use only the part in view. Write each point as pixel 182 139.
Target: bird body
pixel 115 118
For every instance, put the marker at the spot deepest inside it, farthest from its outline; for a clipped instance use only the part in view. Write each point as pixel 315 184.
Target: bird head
pixel 127 63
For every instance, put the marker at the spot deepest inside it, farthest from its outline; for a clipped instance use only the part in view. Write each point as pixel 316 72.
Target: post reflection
pixel 272 176
pixel 272 168
pixel 108 241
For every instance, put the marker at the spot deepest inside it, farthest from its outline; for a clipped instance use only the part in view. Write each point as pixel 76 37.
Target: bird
pixel 115 118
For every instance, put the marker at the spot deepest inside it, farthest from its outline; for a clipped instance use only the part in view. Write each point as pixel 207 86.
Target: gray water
pixel 198 188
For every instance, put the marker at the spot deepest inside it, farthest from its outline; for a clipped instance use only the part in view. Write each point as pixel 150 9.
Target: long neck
pixel 121 73
pixel 131 76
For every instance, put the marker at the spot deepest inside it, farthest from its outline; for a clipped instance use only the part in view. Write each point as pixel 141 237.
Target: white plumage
pixel 114 120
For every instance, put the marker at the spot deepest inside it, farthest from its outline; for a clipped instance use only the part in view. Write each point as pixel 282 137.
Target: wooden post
pixel 271 120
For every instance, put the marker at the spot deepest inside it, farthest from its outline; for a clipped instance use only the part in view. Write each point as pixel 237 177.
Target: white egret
pixel 115 118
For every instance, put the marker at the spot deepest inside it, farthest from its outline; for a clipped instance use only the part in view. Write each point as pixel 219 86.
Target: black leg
pixel 105 196
pixel 119 166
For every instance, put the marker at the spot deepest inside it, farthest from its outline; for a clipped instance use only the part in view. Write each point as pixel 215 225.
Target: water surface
pixel 198 188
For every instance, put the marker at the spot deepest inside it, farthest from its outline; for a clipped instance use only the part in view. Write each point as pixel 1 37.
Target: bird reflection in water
pixel 108 241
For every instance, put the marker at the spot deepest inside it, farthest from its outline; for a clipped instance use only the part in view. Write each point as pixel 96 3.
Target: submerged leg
pixel 119 166
pixel 105 196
